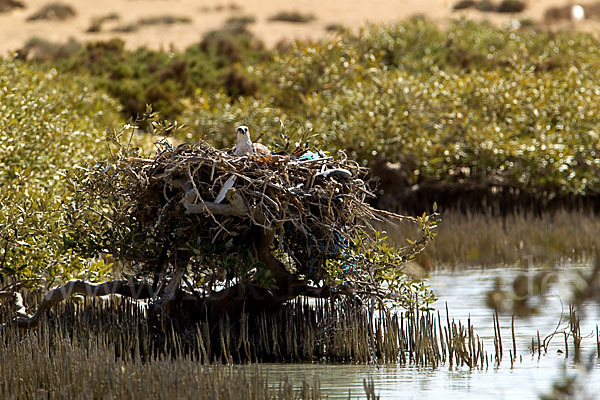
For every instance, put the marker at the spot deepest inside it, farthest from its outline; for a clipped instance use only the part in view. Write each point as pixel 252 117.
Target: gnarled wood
pixel 17 302
pixel 243 297
pixel 248 298
pixel 262 245
pixel 61 293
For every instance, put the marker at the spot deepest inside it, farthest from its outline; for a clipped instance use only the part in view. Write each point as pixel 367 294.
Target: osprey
pixel 245 147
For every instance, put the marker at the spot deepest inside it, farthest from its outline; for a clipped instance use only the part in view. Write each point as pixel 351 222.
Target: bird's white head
pixel 243 132
pixel 244 144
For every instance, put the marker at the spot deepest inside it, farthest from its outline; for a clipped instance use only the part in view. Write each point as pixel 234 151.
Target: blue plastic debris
pixel 311 155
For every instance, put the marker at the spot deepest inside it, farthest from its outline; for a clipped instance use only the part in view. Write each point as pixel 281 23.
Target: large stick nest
pixel 194 203
pixel 203 196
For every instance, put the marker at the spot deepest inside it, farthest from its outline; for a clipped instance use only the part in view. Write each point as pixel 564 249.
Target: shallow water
pixel 465 293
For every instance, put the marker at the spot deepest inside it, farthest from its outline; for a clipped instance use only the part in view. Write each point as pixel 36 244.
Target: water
pixel 465 293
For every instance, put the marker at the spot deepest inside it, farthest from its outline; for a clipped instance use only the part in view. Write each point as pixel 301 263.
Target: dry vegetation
pixel 240 20
pixel 302 331
pixel 297 17
pixel 504 6
pixel 151 21
pixel 53 12
pixel 65 361
pixel 474 239
pixel 41 49
pixel 97 23
pixel 8 5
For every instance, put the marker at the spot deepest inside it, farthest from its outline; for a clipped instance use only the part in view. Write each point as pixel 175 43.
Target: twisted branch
pixel 73 287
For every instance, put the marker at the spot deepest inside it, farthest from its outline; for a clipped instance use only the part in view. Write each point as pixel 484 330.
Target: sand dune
pixel 208 15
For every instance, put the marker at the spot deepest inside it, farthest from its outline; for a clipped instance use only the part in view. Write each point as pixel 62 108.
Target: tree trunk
pixel 262 244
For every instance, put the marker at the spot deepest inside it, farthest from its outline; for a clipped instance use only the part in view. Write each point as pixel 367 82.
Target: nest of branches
pixel 201 196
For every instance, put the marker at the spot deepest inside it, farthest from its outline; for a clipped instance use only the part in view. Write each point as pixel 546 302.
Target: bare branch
pixel 73 287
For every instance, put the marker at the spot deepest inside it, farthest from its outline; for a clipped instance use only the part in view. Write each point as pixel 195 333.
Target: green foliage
pixel 48 124
pixel 475 105
pixel 418 45
pixel 164 79
pixel 377 269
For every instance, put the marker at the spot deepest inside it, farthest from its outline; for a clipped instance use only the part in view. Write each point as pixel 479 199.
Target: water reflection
pixel 465 292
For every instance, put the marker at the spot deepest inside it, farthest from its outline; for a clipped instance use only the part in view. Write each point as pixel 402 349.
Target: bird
pixel 245 147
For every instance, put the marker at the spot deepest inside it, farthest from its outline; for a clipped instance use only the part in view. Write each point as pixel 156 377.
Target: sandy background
pixel 209 15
